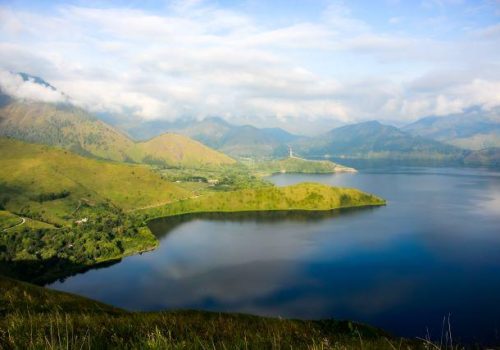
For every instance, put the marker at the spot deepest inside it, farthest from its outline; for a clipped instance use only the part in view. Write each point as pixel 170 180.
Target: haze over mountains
pixel 191 142
pixel 474 129
pixel 375 140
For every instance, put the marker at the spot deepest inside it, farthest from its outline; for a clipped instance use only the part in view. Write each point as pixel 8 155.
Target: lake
pixel 432 252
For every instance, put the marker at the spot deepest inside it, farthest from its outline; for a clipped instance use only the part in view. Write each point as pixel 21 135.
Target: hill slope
pixel 174 149
pixel 474 129
pixel 70 127
pixel 249 141
pixel 72 210
pixel 375 140
pixel 30 173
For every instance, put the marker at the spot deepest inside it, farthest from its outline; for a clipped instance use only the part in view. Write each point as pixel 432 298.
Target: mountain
pixel 249 141
pixel 374 140
pixel 70 127
pixel 235 140
pixel 473 129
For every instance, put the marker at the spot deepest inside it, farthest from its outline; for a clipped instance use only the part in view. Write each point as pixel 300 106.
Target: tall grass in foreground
pixel 191 330
pixel 33 317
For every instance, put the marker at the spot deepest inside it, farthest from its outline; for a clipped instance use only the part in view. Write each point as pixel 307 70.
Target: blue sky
pixel 304 64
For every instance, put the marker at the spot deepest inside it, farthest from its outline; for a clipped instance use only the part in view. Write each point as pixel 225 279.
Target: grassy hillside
pixel 36 318
pixel 28 172
pixel 63 126
pixel 304 196
pixel 74 129
pixel 178 150
pixel 375 140
pixel 52 189
pixel 297 165
pixel 8 220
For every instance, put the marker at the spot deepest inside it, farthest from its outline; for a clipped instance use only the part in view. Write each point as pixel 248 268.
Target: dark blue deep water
pixel 433 251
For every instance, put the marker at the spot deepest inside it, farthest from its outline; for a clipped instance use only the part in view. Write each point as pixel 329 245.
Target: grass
pixel 228 177
pixel 37 318
pixel 12 222
pixel 30 170
pixel 297 165
pixel 177 150
pixel 304 196
pixel 8 220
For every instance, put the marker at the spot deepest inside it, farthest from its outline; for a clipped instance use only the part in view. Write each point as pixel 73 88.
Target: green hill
pixel 298 165
pixel 375 140
pixel 303 196
pixel 74 209
pixel 38 318
pixel 54 182
pixel 174 149
pixel 72 128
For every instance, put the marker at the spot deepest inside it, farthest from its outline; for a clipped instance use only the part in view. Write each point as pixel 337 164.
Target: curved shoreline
pixel 297 210
pixel 303 197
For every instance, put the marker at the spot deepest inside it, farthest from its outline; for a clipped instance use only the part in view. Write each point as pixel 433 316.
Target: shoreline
pixel 117 259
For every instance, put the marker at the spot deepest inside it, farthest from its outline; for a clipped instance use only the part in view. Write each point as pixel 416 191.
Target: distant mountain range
pixel 362 140
pixel 234 140
pixel 474 129
pixel 472 137
pixel 374 140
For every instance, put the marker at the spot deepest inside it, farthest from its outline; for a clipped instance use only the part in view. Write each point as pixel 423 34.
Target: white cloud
pixel 13 84
pixel 198 59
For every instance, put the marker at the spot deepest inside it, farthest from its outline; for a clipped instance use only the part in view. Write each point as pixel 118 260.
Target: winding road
pixel 23 220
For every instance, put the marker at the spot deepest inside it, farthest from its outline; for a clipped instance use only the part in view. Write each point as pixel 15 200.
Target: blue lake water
pixel 433 251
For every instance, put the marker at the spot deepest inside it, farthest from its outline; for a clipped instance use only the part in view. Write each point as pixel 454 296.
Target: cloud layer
pixel 200 59
pixel 14 85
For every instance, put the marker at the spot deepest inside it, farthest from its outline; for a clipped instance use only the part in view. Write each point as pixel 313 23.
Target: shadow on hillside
pixel 163 226
pixel 42 272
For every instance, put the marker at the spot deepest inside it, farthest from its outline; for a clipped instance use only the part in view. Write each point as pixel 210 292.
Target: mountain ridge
pixel 72 128
pixel 372 139
pixel 473 129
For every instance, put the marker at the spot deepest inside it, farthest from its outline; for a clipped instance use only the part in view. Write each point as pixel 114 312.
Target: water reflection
pixel 433 250
pixel 162 226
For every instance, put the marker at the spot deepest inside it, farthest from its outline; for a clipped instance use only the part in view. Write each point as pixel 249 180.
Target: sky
pixel 302 64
